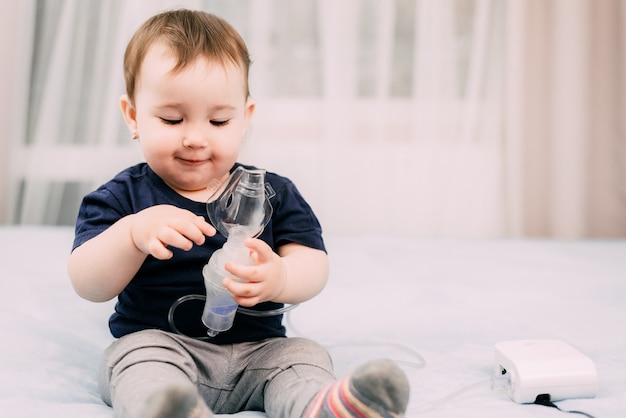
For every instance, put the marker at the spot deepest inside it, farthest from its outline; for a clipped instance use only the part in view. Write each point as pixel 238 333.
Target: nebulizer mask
pixel 242 203
pixel 238 209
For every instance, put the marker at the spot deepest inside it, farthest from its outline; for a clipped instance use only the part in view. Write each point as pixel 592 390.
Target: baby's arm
pixel 101 268
pixel 296 274
pixel 307 273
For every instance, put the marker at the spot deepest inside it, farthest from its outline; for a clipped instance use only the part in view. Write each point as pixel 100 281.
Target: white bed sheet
pixel 444 301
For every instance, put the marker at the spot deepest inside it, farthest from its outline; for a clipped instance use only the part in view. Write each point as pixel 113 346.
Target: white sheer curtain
pixel 389 115
pixel 396 126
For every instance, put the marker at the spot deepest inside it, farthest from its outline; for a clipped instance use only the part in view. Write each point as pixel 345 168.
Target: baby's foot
pixel 176 402
pixel 376 389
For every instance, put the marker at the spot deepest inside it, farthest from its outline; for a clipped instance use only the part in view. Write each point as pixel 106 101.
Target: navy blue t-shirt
pixel 146 300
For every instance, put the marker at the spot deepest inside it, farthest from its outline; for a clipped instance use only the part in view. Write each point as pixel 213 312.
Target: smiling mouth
pixel 192 161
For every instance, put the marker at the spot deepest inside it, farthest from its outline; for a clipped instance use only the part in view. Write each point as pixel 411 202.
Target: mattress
pixel 437 307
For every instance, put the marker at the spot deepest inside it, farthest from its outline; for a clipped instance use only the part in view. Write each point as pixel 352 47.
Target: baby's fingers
pixel 246 273
pixel 204 227
pixel 184 232
pixel 177 236
pixel 244 293
pixel 158 250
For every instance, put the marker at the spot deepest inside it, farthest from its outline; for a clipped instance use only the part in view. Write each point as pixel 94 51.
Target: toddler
pixel 144 237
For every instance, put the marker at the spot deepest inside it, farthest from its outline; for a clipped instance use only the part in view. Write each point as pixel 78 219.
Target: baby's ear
pixel 249 111
pixel 129 113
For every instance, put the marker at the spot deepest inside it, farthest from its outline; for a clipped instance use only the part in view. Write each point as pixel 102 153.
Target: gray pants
pixel 278 375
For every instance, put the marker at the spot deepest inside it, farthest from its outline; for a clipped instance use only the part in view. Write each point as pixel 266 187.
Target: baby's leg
pixel 149 375
pixel 283 375
pixel 304 385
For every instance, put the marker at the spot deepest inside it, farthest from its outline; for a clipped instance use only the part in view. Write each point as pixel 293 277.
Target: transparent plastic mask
pixel 241 201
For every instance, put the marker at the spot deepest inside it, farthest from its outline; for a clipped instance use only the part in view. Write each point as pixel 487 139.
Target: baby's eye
pixel 220 122
pixel 171 121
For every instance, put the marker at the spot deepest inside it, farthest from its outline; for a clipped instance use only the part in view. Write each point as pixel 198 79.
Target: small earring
pixel 135 135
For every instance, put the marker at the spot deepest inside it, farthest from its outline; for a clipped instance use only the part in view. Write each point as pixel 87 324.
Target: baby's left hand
pixel 263 281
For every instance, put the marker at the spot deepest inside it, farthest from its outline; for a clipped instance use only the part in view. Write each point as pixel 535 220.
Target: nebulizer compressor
pixel 241 210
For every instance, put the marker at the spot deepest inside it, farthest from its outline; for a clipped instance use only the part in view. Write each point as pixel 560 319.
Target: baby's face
pixel 191 123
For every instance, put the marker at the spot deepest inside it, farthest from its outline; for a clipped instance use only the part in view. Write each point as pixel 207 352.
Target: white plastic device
pixel 537 367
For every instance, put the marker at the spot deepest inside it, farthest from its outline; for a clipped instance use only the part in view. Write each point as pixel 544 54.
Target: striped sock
pixel 378 389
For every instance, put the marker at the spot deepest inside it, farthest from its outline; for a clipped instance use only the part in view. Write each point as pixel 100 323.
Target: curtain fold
pixel 567 129
pixel 606 188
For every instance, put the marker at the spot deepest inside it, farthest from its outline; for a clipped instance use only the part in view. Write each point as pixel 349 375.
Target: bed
pixel 437 307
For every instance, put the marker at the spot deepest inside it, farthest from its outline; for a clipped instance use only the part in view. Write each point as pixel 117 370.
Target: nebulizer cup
pixel 220 307
pixel 240 211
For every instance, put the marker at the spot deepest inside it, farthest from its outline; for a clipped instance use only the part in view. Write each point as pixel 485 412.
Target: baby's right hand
pixel 157 227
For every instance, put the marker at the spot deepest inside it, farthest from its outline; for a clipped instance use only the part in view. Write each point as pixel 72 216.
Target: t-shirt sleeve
pixel 99 210
pixel 293 220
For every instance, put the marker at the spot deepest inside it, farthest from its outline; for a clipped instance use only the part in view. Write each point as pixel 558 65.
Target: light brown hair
pixel 189 34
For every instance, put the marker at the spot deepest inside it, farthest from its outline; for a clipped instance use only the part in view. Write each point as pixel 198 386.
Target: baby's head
pixel 189 34
pixel 187 98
